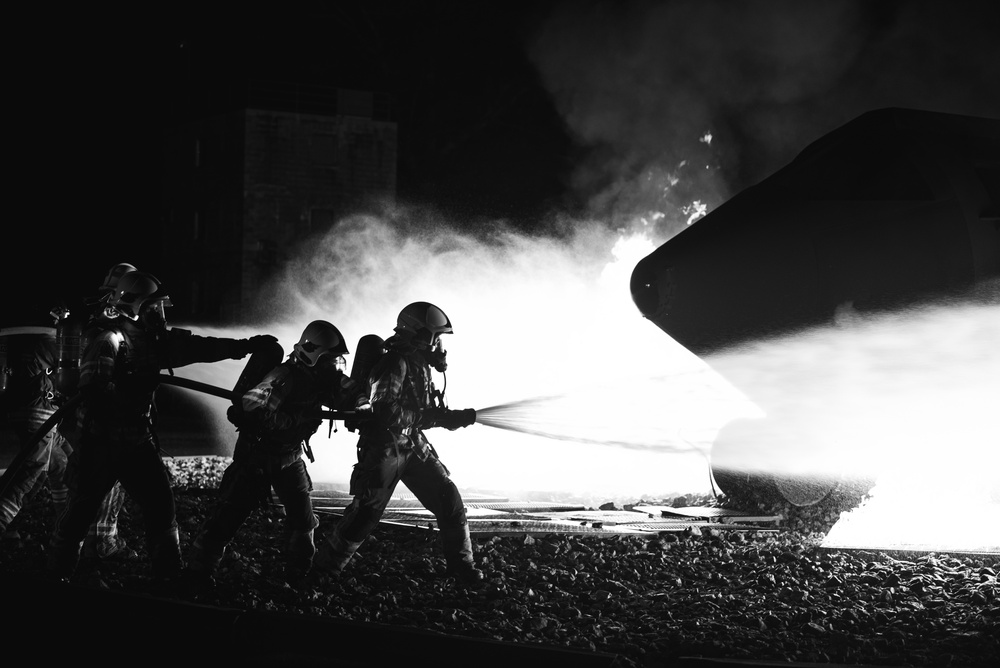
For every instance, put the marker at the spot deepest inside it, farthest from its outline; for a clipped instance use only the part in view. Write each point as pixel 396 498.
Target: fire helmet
pixel 319 338
pixel 113 276
pixel 136 290
pixel 422 324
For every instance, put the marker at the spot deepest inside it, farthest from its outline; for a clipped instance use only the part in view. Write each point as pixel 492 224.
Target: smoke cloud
pixel 641 84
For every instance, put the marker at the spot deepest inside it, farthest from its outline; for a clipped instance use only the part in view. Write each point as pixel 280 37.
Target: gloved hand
pixel 255 343
pixel 235 415
pixel 452 420
pixel 430 417
pixel 243 420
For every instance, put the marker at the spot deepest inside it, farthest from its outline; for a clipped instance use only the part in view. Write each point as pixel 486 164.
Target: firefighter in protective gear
pixel 52 358
pixel 393 448
pixel 103 540
pixel 29 401
pixel 115 422
pixel 275 420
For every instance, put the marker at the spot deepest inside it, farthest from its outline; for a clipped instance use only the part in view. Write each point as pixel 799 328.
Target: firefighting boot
pixel 165 555
pixel 457 544
pixel 333 555
pixel 198 578
pixel 299 553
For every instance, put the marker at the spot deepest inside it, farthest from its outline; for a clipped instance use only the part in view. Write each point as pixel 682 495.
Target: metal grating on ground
pixel 401 496
pixel 524 506
pixel 508 518
pixel 724 515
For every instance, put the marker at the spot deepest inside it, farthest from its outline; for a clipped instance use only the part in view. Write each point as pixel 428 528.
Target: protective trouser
pixel 335 553
pixel 373 482
pixel 243 486
pixel 102 537
pixel 45 461
pixel 457 545
pixel 93 469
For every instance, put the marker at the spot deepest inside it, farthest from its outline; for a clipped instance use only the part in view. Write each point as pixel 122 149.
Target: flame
pixel 694 211
pixel 944 505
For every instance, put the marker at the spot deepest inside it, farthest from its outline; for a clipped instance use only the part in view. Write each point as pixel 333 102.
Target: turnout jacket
pixel 119 374
pixel 402 390
pixel 281 411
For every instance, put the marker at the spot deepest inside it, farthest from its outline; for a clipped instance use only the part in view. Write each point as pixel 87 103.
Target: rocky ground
pixel 774 596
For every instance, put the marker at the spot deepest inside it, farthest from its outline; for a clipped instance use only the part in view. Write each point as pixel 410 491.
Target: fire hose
pixel 49 424
pixel 205 388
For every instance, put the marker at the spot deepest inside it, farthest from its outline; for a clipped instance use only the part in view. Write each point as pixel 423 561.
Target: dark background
pixel 510 110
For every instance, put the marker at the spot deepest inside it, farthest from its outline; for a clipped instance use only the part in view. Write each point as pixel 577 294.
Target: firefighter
pixel 75 328
pixel 50 379
pixel 275 420
pixel 393 448
pixel 29 401
pixel 114 422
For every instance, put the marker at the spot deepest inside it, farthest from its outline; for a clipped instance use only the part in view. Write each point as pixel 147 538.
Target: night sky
pixel 506 110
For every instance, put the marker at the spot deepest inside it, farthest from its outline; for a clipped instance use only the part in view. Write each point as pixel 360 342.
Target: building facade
pixel 245 189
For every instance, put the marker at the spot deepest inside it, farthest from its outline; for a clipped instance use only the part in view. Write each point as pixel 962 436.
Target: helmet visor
pixel 155 313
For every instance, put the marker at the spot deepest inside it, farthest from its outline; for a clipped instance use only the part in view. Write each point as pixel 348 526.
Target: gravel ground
pixel 767 596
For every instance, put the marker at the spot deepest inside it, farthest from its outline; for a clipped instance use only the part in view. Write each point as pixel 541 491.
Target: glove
pixel 452 420
pixel 235 415
pixel 256 343
pixel 363 412
pixel 430 417
pixel 243 420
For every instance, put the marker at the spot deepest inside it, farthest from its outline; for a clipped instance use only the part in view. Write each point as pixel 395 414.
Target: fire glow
pixel 905 399
pixel 534 317
pixel 602 404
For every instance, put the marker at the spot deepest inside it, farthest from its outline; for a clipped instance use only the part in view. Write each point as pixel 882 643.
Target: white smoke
pixel 533 316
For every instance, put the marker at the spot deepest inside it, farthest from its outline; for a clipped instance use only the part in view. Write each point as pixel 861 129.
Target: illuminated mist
pixel 909 400
pixel 630 411
pixel 615 406
pixel 599 403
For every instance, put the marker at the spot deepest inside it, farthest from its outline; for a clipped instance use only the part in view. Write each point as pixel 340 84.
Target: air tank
pixel 19 349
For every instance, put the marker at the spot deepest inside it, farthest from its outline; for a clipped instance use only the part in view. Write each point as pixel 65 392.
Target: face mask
pixel 154 316
pixel 437 356
pixel 330 362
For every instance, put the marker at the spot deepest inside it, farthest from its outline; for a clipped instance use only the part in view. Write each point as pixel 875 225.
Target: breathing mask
pixel 437 355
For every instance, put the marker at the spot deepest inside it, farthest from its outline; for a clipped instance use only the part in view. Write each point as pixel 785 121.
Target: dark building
pixel 243 188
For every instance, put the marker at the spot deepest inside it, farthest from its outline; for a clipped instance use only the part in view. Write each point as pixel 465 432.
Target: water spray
pixel 520 415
